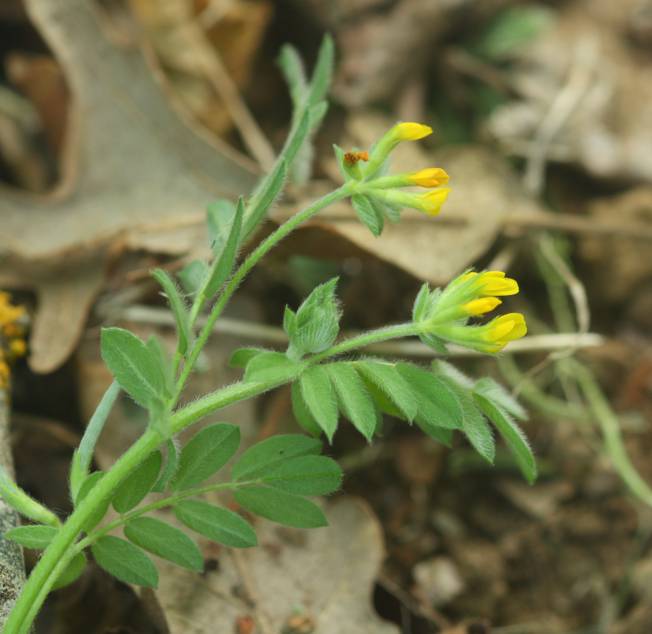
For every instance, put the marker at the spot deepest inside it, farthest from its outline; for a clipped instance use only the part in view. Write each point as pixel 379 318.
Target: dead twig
pixel 562 107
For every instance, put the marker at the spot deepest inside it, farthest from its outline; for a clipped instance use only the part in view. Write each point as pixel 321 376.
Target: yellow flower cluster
pixel 474 295
pixel 12 331
pixel 387 189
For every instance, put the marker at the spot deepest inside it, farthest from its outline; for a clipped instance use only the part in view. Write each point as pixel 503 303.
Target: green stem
pixel 366 339
pixel 530 391
pixel 610 427
pixel 42 575
pixel 45 590
pixel 252 259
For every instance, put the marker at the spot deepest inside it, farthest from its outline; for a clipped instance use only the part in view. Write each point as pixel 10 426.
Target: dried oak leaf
pixel 585 93
pixel 324 575
pixel 131 166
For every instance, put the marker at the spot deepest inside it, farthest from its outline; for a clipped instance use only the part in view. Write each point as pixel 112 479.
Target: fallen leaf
pixel 326 576
pixel 131 165
pixel 624 262
pixel 585 93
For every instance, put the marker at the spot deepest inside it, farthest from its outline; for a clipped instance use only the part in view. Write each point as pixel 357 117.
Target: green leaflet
pixel 315 325
pixel 223 263
pixel 192 276
pixel 133 365
pixel 216 523
pixel 437 405
pixel 302 413
pixel 387 378
pixel 305 475
pixel 139 483
pixel 125 561
pixel 354 399
pixel 241 357
pixel 179 308
pixel 271 366
pixel 205 454
pixel 219 220
pixel 279 506
pixel 170 468
pixel 497 394
pixel 36 536
pixel 269 453
pixel 294 72
pixel 71 572
pixel 474 425
pixel 319 395
pixel 166 541
pixel 514 437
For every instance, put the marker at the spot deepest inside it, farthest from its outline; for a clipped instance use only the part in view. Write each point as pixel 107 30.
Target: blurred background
pixel 121 119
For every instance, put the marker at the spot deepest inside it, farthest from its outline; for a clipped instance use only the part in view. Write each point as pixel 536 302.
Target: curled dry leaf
pixel 625 262
pixel 132 165
pixel 326 576
pixel 585 93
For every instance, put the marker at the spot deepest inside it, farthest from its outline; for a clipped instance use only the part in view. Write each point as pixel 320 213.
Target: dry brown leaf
pixel 190 53
pixel 132 165
pixel 325 575
pixel 586 93
pixel 626 263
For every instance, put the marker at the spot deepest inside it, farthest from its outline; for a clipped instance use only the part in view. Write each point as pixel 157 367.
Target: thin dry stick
pixel 270 334
pixel 566 223
pixel 214 70
pixel 575 287
pixel 12 568
pixel 563 105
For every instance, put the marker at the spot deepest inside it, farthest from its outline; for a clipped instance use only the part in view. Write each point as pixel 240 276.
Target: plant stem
pixel 42 576
pixel 610 427
pixel 367 339
pixel 243 270
pixel 32 596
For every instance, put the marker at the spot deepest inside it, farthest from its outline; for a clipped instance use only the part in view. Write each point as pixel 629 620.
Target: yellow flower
pixel 432 202
pixel 477 307
pixel 409 131
pixel 501 330
pixel 429 177
pixel 4 374
pixel 492 283
pixel 17 347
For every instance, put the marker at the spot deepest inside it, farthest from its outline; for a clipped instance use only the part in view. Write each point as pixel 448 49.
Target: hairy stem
pixel 366 339
pixel 243 270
